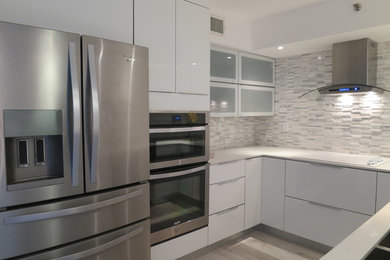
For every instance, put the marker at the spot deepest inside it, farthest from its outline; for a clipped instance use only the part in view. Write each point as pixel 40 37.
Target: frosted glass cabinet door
pixel 223 99
pixel 256 70
pixel 256 101
pixel 223 65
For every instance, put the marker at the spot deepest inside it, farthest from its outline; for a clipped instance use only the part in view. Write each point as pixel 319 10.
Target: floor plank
pixel 258 245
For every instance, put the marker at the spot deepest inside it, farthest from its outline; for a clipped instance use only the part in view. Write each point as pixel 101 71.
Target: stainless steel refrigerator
pixel 74 152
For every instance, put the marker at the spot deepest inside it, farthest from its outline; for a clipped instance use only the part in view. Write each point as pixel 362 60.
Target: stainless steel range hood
pixel 354 67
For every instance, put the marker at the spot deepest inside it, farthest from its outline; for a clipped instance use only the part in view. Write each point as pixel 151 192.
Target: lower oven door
pixel 178 201
pixel 130 242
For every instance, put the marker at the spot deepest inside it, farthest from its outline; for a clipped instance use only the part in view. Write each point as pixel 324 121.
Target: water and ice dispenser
pixel 33 147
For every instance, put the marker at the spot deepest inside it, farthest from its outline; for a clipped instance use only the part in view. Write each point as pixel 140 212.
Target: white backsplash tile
pixel 345 123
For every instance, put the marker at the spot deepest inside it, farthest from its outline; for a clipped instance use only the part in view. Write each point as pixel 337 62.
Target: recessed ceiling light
pixel 280 47
pixel 229 57
pixel 319 57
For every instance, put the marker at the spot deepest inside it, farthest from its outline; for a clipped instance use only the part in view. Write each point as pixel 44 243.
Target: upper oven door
pixel 178 146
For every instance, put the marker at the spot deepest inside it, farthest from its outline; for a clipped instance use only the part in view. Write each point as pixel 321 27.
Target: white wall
pixel 238 32
pixel 102 18
pixel 319 20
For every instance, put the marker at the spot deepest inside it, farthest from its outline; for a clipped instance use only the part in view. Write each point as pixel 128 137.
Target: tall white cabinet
pixel 156 31
pixel 192 48
pixel 177 35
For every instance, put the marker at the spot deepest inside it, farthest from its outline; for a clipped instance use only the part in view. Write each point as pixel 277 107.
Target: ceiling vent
pixel 216 25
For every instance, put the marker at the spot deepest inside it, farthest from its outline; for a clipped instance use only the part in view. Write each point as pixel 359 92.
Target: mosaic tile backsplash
pixel 344 123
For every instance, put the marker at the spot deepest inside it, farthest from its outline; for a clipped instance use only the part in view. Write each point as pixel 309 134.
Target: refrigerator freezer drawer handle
pixel 70 211
pixel 76 114
pixel 102 248
pixel 95 113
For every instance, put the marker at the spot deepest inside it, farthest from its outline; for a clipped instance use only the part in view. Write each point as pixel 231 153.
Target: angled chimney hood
pixel 354 67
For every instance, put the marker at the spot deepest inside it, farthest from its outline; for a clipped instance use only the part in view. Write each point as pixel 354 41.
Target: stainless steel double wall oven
pixel 179 176
pixel 74 164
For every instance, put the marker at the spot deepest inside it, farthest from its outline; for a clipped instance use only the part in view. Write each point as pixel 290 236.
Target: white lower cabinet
pixel 341 187
pixel 227 171
pixel 226 223
pixel 272 192
pixel 180 246
pixel 226 194
pixel 323 224
pixel 383 190
pixel 252 192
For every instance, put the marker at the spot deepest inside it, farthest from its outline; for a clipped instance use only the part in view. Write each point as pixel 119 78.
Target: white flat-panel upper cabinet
pixel 223 65
pixel 223 99
pixel 155 29
pixel 192 48
pixel 256 101
pixel 256 70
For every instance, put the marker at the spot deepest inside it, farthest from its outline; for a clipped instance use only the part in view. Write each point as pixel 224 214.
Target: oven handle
pixel 176 174
pixel 176 130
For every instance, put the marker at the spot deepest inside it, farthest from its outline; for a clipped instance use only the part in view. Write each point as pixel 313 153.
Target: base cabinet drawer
pixel 346 188
pixel 226 223
pixel 226 195
pixel 323 224
pixel 227 171
pixel 180 246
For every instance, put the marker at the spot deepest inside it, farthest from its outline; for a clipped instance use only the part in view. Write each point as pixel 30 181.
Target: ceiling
pixel 252 10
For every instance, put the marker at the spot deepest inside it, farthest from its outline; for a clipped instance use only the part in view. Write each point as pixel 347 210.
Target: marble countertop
pixel 340 159
pixel 360 243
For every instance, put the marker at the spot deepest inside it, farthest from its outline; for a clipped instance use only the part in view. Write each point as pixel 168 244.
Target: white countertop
pixel 340 159
pixel 360 243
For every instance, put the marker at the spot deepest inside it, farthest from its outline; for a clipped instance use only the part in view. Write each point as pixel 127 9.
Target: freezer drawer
pixel 131 243
pixel 36 228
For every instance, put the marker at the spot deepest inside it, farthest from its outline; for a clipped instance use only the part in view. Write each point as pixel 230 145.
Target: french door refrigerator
pixel 74 152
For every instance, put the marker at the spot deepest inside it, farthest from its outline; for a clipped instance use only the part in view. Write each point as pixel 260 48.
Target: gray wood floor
pixel 254 246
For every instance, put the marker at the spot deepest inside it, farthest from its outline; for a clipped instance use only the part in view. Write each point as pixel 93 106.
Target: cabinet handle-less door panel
pixel 192 48
pixel 115 113
pixel 272 192
pixel 323 224
pixel 252 192
pixel 227 194
pixel 346 188
pixel 226 223
pixel 383 191
pixel 227 171
pixel 155 29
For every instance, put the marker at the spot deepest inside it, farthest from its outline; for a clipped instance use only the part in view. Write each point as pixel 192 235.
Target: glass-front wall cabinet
pixel 256 101
pixel 223 99
pixel 223 65
pixel 256 70
pixel 242 84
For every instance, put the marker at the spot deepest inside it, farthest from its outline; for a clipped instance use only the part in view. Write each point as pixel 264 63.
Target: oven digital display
pixel 176 118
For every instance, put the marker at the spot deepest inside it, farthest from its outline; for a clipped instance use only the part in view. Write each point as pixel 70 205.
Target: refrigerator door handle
pixel 75 150
pixel 70 211
pixel 101 248
pixel 95 113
